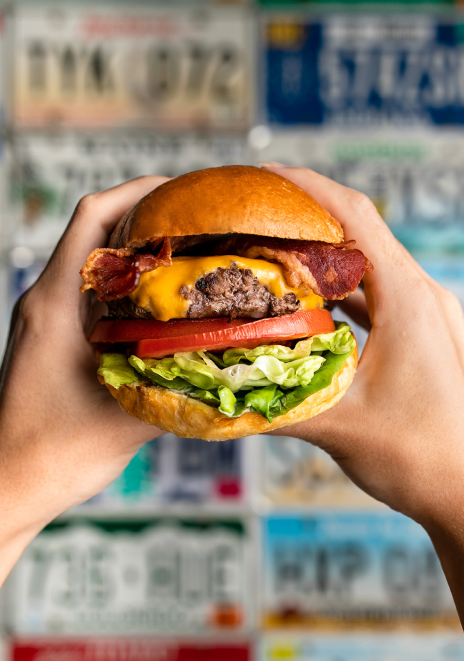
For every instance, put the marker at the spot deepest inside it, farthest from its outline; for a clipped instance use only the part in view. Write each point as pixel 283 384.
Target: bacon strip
pixel 330 270
pixel 115 274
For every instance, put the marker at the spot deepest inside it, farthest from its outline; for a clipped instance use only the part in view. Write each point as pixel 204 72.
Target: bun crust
pixel 232 199
pixel 190 418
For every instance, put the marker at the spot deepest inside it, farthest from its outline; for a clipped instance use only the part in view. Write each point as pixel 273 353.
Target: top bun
pixel 232 199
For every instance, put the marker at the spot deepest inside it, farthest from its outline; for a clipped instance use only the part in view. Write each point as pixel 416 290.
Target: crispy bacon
pixel 330 270
pixel 115 274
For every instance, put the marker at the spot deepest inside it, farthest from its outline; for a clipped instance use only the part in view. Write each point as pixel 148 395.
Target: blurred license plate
pixel 172 469
pixel 364 647
pixel 415 179
pixel 190 469
pixel 364 70
pixel 107 66
pixel 135 649
pixel 344 568
pixel 50 173
pixel 294 472
pixel 182 576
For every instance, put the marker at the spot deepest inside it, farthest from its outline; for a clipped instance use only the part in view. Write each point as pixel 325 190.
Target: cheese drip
pixel 158 290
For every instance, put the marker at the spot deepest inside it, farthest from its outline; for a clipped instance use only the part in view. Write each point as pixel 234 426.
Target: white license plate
pixel 414 178
pixel 297 473
pixel 50 173
pixel 134 65
pixel 178 470
pixel 139 577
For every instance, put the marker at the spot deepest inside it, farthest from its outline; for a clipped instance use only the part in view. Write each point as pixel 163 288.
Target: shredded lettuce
pixel 339 342
pixel 197 369
pixel 269 380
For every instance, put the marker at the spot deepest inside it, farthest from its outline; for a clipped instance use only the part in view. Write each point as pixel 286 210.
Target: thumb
pixel 361 222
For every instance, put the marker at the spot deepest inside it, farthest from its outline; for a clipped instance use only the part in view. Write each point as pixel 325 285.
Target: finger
pixel 361 221
pixel 341 202
pixel 351 208
pixel 96 215
pixel 454 317
pixel 355 307
pixel 94 218
pixel 447 302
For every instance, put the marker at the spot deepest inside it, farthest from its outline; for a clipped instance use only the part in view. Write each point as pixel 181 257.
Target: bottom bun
pixel 190 418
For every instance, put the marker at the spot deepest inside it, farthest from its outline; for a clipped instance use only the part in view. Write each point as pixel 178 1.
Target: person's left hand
pixel 64 438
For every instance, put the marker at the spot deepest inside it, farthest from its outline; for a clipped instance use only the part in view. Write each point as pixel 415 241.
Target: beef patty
pixel 235 292
pixel 124 308
pixel 230 292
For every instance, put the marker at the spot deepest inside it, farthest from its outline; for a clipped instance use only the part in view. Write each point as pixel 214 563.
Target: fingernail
pixel 271 164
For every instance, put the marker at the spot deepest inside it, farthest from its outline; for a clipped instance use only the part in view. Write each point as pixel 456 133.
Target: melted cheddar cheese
pixel 158 290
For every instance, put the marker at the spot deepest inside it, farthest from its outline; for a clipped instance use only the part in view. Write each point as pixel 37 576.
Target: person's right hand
pixel 398 432
pixel 63 437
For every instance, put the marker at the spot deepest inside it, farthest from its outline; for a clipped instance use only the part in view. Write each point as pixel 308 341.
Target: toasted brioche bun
pixel 189 418
pixel 227 200
pixel 235 199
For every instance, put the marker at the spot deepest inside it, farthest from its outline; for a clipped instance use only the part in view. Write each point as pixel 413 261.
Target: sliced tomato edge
pixel 236 337
pixel 102 330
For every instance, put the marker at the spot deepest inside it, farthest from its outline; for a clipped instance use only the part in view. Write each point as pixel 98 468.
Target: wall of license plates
pixel 257 548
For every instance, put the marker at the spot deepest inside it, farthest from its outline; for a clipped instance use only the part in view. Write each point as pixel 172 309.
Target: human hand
pixel 398 432
pixel 64 438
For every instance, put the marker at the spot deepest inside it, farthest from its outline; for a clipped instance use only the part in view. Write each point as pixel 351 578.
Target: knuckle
pixel 422 288
pixel 362 203
pixel 27 315
pixel 450 299
pixel 86 204
pixel 25 306
pixel 445 296
pixel 24 311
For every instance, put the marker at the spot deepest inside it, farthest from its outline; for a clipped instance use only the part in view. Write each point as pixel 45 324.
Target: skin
pixel 64 438
pixel 398 432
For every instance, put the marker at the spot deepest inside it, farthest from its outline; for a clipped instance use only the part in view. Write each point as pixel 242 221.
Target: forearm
pixel 20 521
pixel 449 545
pixel 13 541
pixel 25 502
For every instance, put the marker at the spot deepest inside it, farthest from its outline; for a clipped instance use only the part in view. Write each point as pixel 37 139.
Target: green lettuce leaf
pixel 265 401
pixel 167 380
pixel 269 380
pixel 230 406
pixel 340 341
pixel 322 379
pixel 209 396
pixel 176 383
pixel 228 400
pixel 116 371
pixel 197 369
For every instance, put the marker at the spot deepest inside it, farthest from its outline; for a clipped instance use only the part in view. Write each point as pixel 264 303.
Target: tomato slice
pixel 247 335
pixel 156 339
pixel 133 330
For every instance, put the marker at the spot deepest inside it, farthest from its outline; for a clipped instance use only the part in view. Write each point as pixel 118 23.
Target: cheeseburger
pixel 217 285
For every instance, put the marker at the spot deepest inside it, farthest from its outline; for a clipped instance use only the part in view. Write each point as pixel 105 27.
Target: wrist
pixel 21 522
pixel 28 497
